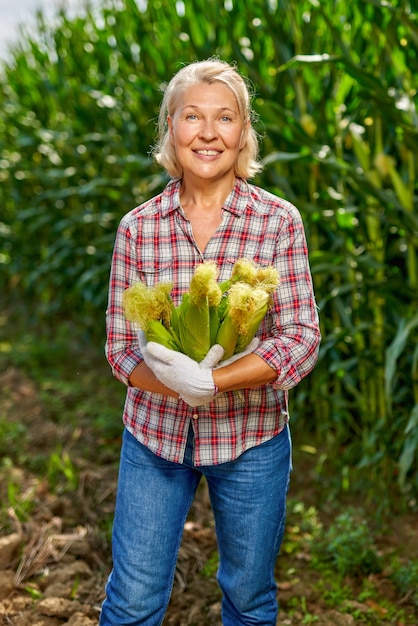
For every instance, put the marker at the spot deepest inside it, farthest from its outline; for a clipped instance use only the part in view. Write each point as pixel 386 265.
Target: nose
pixel 208 129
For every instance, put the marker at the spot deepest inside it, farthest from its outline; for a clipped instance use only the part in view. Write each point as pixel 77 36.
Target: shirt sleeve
pixel 291 332
pixel 122 351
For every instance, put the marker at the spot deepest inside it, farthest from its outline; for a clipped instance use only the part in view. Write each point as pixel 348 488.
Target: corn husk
pixel 195 312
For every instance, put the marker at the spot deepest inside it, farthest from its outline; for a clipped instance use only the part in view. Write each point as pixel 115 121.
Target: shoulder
pixel 157 205
pixel 267 202
pixel 147 209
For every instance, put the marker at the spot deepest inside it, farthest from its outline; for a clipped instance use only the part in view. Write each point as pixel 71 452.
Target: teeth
pixel 208 152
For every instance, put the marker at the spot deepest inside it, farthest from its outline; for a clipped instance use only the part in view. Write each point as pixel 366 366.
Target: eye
pixel 191 116
pixel 226 118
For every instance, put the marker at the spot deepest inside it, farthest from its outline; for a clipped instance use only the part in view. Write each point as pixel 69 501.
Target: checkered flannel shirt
pixel 154 243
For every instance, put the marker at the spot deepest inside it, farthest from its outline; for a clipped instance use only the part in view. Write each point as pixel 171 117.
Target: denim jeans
pixel 248 498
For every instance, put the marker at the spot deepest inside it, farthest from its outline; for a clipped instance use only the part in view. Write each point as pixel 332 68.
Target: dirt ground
pixel 53 565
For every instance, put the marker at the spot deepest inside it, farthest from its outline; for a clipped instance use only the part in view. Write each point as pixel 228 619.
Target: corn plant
pixel 335 88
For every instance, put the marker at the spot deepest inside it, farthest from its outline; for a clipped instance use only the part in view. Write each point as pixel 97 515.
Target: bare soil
pixel 54 563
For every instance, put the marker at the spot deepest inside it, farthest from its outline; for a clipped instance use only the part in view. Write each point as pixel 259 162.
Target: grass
pixel 346 547
pixel 58 380
pixel 405 577
pixel 349 566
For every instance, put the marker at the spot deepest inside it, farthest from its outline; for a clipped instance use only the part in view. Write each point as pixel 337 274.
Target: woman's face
pixel 207 132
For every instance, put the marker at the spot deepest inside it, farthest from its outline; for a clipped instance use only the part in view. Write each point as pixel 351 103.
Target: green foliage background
pixel 335 88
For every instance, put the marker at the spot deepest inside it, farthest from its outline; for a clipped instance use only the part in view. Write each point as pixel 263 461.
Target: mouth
pixel 208 152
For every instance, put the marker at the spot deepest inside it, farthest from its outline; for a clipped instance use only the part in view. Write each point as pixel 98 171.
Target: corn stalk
pixel 335 88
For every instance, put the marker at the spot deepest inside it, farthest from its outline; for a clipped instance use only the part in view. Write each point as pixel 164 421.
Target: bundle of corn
pixel 227 313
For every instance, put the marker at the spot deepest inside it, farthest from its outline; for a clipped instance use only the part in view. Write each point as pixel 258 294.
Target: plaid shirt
pixel 155 243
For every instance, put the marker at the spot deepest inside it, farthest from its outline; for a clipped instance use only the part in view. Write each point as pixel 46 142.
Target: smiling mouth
pixel 208 152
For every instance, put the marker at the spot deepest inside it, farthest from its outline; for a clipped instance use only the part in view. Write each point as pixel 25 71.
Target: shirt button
pixel 195 416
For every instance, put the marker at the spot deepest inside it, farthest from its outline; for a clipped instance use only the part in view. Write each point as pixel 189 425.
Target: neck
pixel 207 196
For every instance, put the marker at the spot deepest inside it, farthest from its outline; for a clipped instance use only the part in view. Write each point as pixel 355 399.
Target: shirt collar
pixel 235 203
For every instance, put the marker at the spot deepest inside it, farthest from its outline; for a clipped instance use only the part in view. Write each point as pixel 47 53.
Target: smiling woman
pixel 224 420
pixel 198 75
pixel 207 133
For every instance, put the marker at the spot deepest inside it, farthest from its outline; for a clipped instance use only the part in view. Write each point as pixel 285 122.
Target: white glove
pixel 193 383
pixel 250 348
pixel 212 358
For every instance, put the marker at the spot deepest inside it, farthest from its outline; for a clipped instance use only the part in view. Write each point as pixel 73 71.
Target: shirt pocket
pixel 153 271
pixel 256 253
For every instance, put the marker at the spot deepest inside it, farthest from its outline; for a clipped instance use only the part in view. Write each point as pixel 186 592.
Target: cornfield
pixel 335 87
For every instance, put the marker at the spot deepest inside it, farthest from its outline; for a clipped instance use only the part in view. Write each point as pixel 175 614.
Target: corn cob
pixel 227 336
pixel 244 304
pixel 152 309
pixel 248 307
pixel 245 310
pixel 195 311
pixel 156 331
pixel 267 278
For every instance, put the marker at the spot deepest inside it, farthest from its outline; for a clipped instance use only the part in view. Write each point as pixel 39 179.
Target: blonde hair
pixel 209 71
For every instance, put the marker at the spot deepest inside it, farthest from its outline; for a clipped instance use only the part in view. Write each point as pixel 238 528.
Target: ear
pixel 170 129
pixel 244 134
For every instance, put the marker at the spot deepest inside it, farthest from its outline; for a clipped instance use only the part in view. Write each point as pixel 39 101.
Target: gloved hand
pixel 172 369
pixel 212 358
pixel 193 381
pixel 250 348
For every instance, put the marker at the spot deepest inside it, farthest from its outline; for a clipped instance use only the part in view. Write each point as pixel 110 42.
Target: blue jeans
pixel 248 498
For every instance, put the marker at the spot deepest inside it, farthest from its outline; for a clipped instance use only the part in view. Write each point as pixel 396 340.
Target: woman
pixel 185 420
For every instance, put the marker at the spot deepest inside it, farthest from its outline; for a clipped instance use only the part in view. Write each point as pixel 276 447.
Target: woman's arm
pixel 250 371
pixel 144 378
